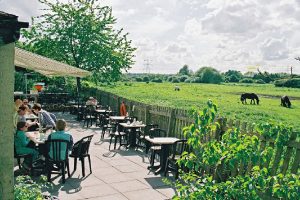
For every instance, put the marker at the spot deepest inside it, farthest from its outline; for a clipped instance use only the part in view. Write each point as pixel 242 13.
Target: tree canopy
pixel 185 70
pixel 81 34
pixel 209 75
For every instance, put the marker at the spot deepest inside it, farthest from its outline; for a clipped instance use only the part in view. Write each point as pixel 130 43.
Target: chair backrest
pixel 148 127
pixel 179 147
pixel 57 149
pixel 157 132
pixel 89 110
pixel 82 147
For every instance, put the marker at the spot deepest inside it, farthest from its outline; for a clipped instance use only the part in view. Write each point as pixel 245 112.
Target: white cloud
pixel 275 49
pixel 226 34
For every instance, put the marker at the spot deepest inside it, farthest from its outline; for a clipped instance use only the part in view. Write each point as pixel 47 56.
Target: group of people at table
pixel 35 119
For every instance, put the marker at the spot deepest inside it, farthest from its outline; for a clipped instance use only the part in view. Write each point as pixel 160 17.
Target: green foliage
pixel 247 80
pixel 27 189
pixel 175 80
pixel 157 80
pixel 170 78
pixel 146 79
pixel 183 78
pixel 233 76
pixel 260 81
pixel 234 149
pixel 138 79
pixel 279 132
pixel 250 186
pixel 188 80
pixel 185 71
pixel 209 75
pixel 81 33
pixel 293 83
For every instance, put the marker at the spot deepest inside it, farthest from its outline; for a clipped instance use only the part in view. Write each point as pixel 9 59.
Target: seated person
pixel 24 145
pixel 91 102
pixel 26 103
pixel 45 118
pixel 60 134
pixel 21 113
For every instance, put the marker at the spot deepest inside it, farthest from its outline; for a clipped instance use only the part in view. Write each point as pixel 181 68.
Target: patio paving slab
pixel 126 186
pixel 147 194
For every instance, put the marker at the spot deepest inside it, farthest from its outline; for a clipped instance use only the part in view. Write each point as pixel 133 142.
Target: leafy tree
pixel 81 34
pixel 209 75
pixel 233 76
pixel 146 79
pixel 185 71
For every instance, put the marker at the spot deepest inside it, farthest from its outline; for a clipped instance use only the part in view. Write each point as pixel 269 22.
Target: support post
pixel 9 33
pixel 7 129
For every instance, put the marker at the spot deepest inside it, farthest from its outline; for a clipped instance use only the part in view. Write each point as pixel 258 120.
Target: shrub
pixel 293 83
pixel 26 188
pixel 138 79
pixel 246 80
pixel 197 80
pixel 260 81
pixel 175 80
pixel 183 78
pixel 170 78
pixel 157 80
pixel 189 80
pixel 146 79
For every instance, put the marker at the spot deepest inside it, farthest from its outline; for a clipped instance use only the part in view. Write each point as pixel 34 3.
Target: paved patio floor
pixel 118 175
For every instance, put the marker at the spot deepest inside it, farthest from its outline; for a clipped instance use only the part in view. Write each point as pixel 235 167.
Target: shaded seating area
pixel 114 174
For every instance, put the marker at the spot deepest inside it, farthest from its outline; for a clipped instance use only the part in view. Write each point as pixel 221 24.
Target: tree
pixel 185 71
pixel 81 34
pixel 209 75
pixel 233 76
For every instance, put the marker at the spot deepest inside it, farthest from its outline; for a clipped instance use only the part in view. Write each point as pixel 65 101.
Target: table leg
pixel 163 158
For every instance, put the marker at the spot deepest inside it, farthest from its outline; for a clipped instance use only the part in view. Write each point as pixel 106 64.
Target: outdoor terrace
pixel 117 174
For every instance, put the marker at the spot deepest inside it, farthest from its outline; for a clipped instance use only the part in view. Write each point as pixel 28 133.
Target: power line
pixel 147 64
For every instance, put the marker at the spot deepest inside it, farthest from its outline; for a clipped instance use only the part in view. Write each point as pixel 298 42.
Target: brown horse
pixel 251 96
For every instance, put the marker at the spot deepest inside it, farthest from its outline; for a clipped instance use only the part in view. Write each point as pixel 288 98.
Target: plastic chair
pixel 89 116
pixel 177 149
pixel 57 155
pixel 118 132
pixel 80 150
pixel 141 136
pixel 155 149
pixel 19 156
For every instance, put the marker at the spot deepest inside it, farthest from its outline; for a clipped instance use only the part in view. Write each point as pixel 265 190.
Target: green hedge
pixel 293 83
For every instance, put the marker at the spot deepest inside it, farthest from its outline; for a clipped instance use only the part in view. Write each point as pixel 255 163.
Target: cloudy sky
pixel 225 34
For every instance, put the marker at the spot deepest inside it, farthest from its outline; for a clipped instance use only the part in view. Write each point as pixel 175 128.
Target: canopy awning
pixel 46 66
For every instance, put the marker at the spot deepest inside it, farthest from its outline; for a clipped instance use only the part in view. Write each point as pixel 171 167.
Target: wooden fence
pixel 284 158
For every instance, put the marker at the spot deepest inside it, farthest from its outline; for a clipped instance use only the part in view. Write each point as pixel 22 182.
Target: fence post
pixel 147 115
pixel 172 121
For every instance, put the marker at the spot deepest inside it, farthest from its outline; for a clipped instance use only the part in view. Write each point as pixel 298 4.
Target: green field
pixel 226 96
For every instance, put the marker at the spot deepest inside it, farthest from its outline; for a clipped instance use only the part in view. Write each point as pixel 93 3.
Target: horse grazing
pixel 177 88
pixel 251 96
pixel 285 101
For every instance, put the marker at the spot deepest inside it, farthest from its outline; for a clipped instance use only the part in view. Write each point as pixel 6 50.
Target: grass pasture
pixel 226 96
